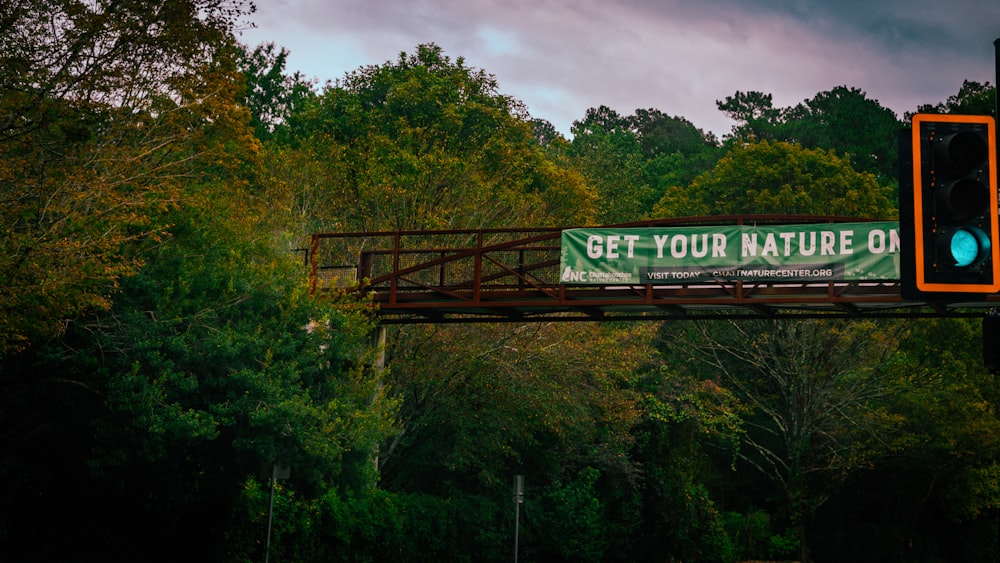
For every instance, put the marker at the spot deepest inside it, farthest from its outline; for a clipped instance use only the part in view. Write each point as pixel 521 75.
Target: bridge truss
pixel 512 275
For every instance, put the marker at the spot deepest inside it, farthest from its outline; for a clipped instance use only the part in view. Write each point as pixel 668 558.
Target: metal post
pixel 277 472
pixel 270 514
pixel 996 92
pixel 518 499
pixel 996 61
pixel 378 368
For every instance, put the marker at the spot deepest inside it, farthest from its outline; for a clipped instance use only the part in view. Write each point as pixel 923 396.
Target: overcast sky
pixel 561 57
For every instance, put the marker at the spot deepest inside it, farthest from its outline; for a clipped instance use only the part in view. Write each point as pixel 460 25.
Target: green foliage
pixel 631 160
pixel 213 354
pixel 931 487
pixel 271 95
pixel 372 527
pixel 951 417
pixel 754 113
pixel 613 163
pixel 778 177
pixel 570 519
pixel 842 120
pixel 813 393
pixel 215 362
pixel 846 121
pixel 973 98
pixel 423 142
pixel 678 515
pixel 104 107
pixel 487 402
pixel 753 537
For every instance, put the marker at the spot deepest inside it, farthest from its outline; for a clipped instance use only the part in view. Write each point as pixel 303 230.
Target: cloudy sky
pixel 561 57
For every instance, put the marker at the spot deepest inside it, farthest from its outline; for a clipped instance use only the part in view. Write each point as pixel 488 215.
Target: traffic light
pixel 953 211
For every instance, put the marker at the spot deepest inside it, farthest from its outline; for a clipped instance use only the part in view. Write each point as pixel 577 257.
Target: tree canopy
pixel 426 142
pixel 104 109
pixel 843 120
pixel 779 177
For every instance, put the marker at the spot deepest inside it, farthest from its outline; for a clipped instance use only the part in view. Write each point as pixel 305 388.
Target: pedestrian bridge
pixel 513 275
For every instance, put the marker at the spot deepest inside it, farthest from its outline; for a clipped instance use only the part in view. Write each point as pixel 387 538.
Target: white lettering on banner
pixel 718 245
pixel 613 246
pixel 846 241
pixel 749 244
pixel 685 254
pixel 787 237
pixel 631 244
pixel 594 249
pixel 660 241
pixel 811 248
pixel 679 250
pixel 770 245
pixel 699 245
pixel 829 244
pixel 876 241
pixel 597 246
pixel 609 277
pixel 826 243
pixel 704 246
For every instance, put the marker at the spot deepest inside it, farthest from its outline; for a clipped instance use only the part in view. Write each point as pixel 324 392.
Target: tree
pixel 676 151
pixel 843 120
pixel 682 416
pixel 808 384
pixel 545 132
pixel 973 98
pixel 525 397
pixel 846 121
pixel 631 160
pixel 603 120
pixel 152 421
pixel 754 113
pixel 933 492
pixel 426 142
pixel 660 133
pixel 103 108
pixel 155 349
pixel 609 158
pixel 272 96
pixel 813 390
pixel 777 177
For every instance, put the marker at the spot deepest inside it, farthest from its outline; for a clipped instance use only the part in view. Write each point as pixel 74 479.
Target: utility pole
pixel 996 61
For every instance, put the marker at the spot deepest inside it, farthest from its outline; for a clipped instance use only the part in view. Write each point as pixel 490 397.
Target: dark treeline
pixel 160 352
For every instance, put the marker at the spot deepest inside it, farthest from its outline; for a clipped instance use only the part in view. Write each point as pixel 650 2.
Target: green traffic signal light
pixel 963 248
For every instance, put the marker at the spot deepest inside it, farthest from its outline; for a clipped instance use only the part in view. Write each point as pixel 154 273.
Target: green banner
pixel 773 253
